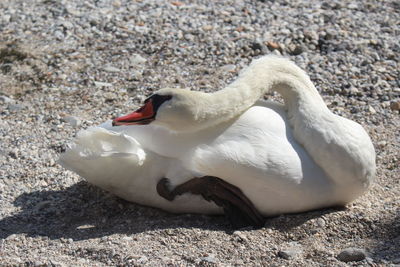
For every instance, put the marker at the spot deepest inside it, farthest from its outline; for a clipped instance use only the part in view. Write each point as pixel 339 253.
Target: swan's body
pixel 285 158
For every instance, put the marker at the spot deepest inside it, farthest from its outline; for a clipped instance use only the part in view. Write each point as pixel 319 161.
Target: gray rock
pixel 292 250
pixel 210 258
pixel 240 235
pixel 111 69
pixel 296 50
pixel 73 121
pixel 142 260
pixel 352 254
pixel 16 107
pixel 395 105
pixel 59 35
pixel 102 84
pixel 321 222
pixel 6 99
pixel 228 68
pixel 137 59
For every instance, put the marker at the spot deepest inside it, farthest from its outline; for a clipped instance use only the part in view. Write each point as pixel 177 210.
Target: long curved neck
pixel 339 146
pixel 263 75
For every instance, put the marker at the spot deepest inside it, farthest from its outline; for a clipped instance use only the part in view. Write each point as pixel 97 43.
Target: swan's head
pixel 176 109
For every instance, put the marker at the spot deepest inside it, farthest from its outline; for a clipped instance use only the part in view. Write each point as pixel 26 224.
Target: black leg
pixel 237 207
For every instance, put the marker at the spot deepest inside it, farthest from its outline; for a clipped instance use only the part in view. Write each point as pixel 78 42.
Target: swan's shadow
pixel 82 212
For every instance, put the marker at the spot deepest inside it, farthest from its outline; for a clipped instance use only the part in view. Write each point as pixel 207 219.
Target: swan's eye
pixel 158 100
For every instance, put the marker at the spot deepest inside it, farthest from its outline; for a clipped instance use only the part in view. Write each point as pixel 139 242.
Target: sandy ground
pixel 66 65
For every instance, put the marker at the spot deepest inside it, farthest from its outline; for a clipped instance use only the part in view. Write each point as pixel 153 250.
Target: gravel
pixel 352 254
pixel 93 60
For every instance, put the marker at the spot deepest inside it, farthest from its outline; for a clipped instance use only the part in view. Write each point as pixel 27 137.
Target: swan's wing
pixel 118 163
pixel 259 155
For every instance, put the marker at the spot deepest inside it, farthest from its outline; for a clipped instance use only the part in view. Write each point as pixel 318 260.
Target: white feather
pixel 285 158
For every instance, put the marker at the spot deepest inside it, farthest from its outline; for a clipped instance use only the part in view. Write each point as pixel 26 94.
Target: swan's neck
pixel 262 76
pixel 339 146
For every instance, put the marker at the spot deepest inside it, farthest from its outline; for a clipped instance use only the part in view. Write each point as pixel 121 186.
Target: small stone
pixel 369 260
pixel 312 35
pixel 52 162
pixel 288 254
pixel 352 254
pixel 127 238
pixel 321 222
pixel 6 99
pixel 137 59
pixel 207 27
pixel 176 3
pixel 142 260
pixel 371 110
pixel 395 105
pixel 59 35
pixel 116 3
pixel 240 235
pixel 354 91
pixel 296 50
pixel 73 121
pixel 273 45
pixel 210 258
pixel 228 68
pixel 257 46
pixel 352 6
pixel 293 250
pixel 102 84
pixel 67 24
pixel 111 69
pixel 13 153
pixel 16 107
pixel 381 144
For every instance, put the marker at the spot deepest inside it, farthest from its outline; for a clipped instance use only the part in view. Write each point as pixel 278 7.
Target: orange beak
pixel 143 115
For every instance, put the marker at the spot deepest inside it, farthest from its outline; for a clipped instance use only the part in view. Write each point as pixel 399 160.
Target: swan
pixel 184 151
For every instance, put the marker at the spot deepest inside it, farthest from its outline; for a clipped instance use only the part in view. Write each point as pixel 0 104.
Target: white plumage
pixel 285 158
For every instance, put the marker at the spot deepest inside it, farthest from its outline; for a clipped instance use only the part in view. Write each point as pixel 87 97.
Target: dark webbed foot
pixel 237 207
pixel 163 189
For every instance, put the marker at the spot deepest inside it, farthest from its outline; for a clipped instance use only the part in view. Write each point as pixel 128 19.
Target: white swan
pixel 285 158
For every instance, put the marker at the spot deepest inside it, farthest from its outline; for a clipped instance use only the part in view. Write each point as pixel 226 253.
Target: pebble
pixel 321 222
pixel 240 235
pixel 296 50
pixel 371 110
pixel 111 69
pixel 6 99
pixel 292 250
pixel 228 68
pixel 16 107
pixel 352 254
pixel 142 260
pixel 207 27
pixel 273 45
pixel 382 144
pixel 210 258
pixel 395 105
pixel 102 84
pixel 73 121
pixel 137 59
